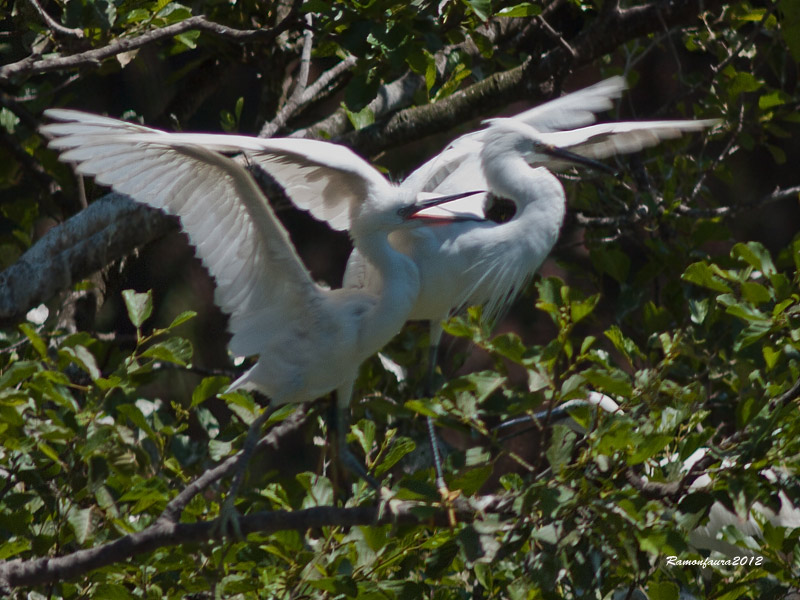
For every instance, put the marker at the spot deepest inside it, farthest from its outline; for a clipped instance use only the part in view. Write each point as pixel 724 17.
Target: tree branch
pixel 164 533
pixel 533 80
pixel 173 510
pixel 57 28
pixel 34 65
pixel 106 231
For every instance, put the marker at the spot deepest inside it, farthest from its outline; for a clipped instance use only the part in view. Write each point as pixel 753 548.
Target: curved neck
pixel 538 194
pixel 399 286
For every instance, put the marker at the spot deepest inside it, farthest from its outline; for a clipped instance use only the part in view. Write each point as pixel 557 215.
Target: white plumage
pixel 310 340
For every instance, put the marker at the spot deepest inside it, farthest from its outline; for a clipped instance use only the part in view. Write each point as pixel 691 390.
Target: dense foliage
pixel 675 290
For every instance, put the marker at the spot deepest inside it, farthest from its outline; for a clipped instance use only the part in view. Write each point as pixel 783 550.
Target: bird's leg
pixel 340 426
pixel 229 517
pixel 437 457
pixel 441 485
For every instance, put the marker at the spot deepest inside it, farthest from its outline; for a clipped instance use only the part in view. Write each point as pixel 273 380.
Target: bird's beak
pixel 433 207
pixel 571 157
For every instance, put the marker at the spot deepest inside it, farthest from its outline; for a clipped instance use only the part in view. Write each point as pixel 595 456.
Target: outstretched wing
pixel 607 139
pixel 328 180
pixel 227 218
pixel 567 112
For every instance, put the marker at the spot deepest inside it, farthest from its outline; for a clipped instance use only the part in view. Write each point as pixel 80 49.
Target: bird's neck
pixel 539 197
pixel 399 284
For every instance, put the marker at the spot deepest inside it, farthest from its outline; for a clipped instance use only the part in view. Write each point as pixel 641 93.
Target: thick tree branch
pixel 34 65
pixel 533 80
pixel 106 231
pixel 164 533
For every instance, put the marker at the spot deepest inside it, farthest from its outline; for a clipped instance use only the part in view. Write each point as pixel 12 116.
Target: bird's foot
pixel 228 524
pixel 448 500
pixel 387 503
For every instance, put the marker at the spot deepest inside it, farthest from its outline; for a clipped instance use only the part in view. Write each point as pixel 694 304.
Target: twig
pixel 556 36
pixel 173 510
pixel 730 148
pixel 786 397
pixel 304 94
pixel 301 82
pixel 722 211
pixel 672 490
pixel 56 27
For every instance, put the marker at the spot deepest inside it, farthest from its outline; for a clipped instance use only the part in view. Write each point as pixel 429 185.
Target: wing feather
pixel 567 112
pixel 606 139
pixel 222 210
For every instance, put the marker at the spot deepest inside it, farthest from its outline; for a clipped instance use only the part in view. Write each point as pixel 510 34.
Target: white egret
pixel 489 263
pixel 310 340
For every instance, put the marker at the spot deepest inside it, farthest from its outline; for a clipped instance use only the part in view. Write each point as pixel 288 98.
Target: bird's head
pixel 409 210
pixel 509 138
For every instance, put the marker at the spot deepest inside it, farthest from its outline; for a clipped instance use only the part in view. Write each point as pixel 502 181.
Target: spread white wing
pixel 227 218
pixel 607 139
pixel 328 180
pixel 567 112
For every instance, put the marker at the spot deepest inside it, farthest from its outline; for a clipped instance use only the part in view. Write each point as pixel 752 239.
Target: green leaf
pixel 35 339
pixel 482 8
pixel 580 309
pixel 400 447
pixel 81 522
pixel 182 318
pixel 18 372
pixel 139 306
pixel 701 274
pixel 137 418
pixel 174 350
pixel 614 383
pixel 738 308
pixel 559 453
pixel 14 547
pixel 740 82
pixel 84 359
pixel 361 118
pixel 209 386
pixel 771 356
pixel 112 591
pixel 471 480
pixel 525 9
pixel 756 255
pixel 755 293
pixel 663 590
pixel 649 447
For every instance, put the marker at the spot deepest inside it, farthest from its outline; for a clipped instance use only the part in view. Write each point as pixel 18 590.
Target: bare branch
pixel 672 490
pixel 54 26
pixel 106 231
pixel 721 211
pixel 793 393
pixel 34 65
pixel 173 510
pixel 391 97
pixel 301 82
